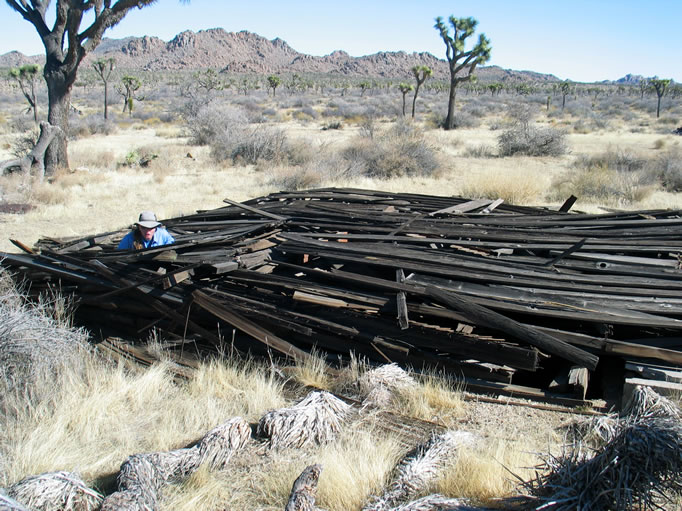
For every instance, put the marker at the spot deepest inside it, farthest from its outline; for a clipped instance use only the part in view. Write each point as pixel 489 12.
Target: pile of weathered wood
pixel 498 294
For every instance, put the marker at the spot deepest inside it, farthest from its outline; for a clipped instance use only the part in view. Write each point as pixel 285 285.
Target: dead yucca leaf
pixel 378 385
pixel 420 467
pixel 640 468
pixel 434 503
pixel 645 402
pixel 9 504
pixel 55 490
pixel 218 445
pixel 314 420
pixel 129 500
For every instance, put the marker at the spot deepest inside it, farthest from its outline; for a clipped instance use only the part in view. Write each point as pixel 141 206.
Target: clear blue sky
pixel 580 40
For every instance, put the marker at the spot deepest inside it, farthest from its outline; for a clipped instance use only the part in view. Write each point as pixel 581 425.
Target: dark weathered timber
pixel 477 288
pixel 522 332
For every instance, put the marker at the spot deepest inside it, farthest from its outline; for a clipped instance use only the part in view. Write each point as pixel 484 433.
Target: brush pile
pixel 637 466
pixel 503 296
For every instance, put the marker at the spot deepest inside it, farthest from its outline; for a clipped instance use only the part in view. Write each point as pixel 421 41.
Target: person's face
pixel 147 234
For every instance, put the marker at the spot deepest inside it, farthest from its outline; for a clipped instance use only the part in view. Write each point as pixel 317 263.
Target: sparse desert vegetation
pixel 187 147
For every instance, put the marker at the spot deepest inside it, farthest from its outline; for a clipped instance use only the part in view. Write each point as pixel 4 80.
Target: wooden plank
pixel 568 204
pixel 465 207
pixel 651 372
pixel 248 327
pixel 524 333
pixel 255 210
pixel 401 302
pixel 663 388
pixel 493 205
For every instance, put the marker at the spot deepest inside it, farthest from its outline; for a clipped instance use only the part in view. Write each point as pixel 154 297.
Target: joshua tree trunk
pixel 59 83
pixel 450 119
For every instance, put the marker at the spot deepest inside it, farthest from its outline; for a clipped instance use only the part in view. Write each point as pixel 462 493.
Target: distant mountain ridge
pixel 247 52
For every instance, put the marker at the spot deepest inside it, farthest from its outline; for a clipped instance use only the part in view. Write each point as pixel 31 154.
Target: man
pixel 146 234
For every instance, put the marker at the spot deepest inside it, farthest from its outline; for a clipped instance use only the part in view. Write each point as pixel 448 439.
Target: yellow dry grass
pixel 98 416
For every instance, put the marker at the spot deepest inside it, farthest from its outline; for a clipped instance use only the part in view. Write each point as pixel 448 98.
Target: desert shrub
pixel 479 151
pixel 617 177
pixel 35 338
pixel 249 145
pixel 667 168
pixel 531 141
pixel 295 177
pixel 213 123
pixel 401 151
pixel 24 143
pixel 96 124
pixel 22 123
pixel 605 185
pixel 524 138
pixel 620 160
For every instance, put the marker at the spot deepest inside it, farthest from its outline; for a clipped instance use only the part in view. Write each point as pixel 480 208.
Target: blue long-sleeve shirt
pixel 161 237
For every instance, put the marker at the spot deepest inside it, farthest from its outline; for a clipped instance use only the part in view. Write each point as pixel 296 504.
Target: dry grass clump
pixel 482 473
pixel 312 371
pixel 615 177
pixel 434 399
pixel 514 186
pixel 92 159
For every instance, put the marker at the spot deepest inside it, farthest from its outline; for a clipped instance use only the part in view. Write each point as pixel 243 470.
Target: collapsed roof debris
pixel 512 299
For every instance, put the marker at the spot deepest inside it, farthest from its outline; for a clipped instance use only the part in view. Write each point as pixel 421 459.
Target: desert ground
pixel 174 157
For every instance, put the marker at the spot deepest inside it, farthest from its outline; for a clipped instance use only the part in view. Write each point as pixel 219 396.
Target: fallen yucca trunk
pixel 55 490
pixel 143 476
pixel 314 420
pixel 303 491
pixel 420 468
pixel 639 469
pixel 218 445
pixel 378 385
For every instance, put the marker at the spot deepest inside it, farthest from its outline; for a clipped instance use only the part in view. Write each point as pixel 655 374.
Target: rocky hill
pixel 246 52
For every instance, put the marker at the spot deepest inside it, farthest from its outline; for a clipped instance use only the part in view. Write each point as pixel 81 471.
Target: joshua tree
pixel 364 86
pixel 404 88
pixel 421 73
pixel 460 60
pixel 104 68
pixel 66 44
pixel 26 77
pixel 659 86
pixel 273 83
pixel 128 89
pixel 565 88
pixel 208 80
